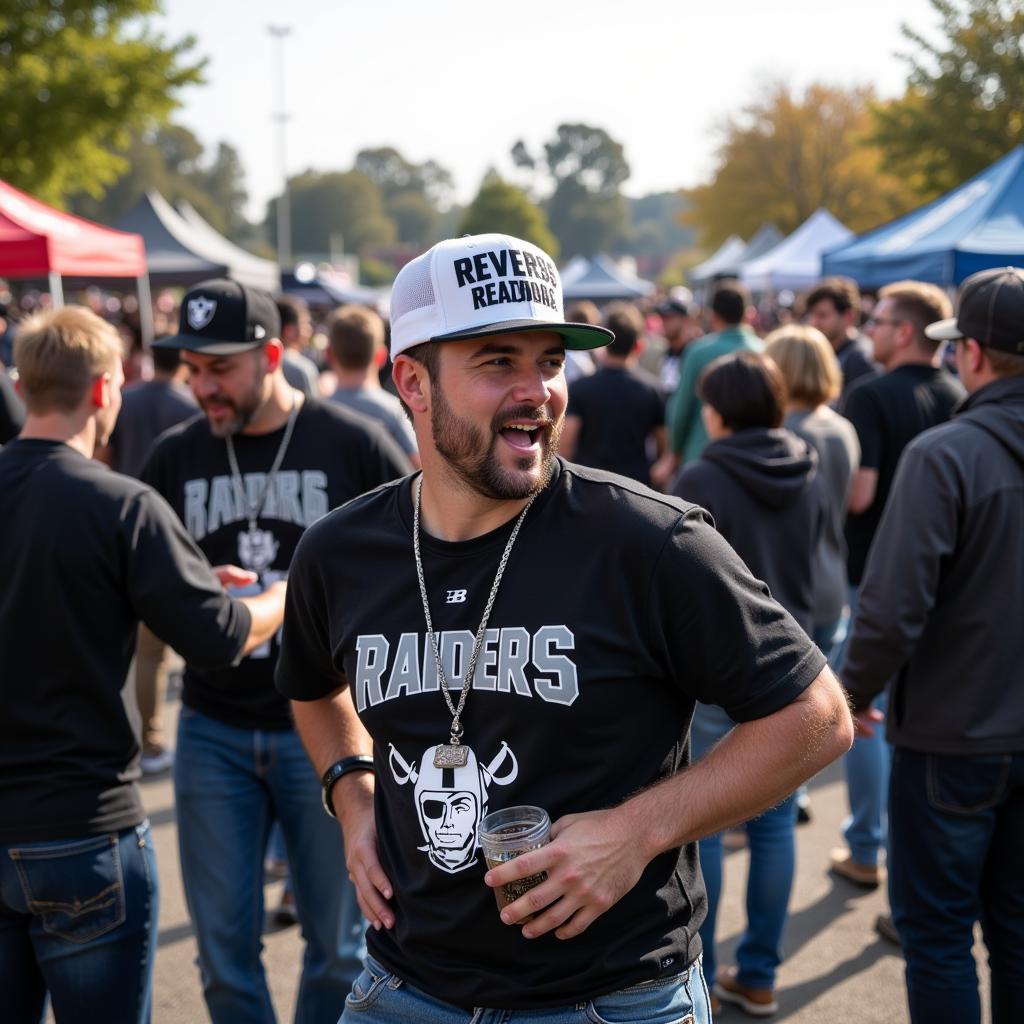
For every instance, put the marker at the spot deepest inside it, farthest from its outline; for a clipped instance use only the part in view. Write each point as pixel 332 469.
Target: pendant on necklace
pixel 451 755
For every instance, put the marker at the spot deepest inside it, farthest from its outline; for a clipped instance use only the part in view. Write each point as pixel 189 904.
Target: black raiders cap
pixel 222 317
pixel 990 310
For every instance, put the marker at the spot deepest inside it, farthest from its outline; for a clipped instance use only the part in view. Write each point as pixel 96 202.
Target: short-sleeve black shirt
pixel 332 457
pixel 87 554
pixel 888 412
pixel 618 609
pixel 618 408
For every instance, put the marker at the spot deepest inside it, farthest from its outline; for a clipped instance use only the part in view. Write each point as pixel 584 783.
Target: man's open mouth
pixel 522 436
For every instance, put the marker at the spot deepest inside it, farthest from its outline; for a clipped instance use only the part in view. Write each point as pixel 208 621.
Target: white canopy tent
pixel 795 262
pixel 723 262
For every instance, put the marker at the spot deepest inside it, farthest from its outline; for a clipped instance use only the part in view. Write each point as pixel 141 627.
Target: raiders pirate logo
pixel 450 802
pixel 199 311
pixel 257 550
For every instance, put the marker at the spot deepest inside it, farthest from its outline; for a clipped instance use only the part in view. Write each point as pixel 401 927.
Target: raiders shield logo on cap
pixel 200 311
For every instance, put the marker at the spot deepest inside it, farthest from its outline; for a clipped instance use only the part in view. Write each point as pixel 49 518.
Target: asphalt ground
pixel 837 970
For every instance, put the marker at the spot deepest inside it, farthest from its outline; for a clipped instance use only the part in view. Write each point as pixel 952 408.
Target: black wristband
pixel 357 763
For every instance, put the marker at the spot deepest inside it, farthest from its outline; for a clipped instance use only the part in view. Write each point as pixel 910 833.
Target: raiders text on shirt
pixel 501 665
pixel 295 497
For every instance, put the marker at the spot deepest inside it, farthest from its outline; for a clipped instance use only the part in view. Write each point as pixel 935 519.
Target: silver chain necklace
pixel 453 754
pixel 253 510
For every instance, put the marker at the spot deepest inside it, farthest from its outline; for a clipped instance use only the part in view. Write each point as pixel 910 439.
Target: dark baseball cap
pixel 222 317
pixel 990 310
pixel 675 307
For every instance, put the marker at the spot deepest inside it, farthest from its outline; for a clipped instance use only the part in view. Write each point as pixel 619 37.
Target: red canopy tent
pixel 37 241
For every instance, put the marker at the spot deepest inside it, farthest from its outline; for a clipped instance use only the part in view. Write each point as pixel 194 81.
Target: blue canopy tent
pixel 974 227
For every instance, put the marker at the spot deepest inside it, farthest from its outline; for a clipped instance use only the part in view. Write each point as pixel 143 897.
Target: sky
pixel 460 82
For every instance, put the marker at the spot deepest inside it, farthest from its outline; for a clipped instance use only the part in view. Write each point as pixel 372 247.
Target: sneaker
pixel 156 763
pixel 286 915
pixel 758 1002
pixel 885 928
pixel 867 876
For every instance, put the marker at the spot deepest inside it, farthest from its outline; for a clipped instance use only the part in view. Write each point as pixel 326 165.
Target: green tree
pixel 502 207
pixel 77 79
pixel 328 209
pixel 787 154
pixel 416 218
pixel 394 175
pixel 964 103
pixel 171 160
pixel 587 167
pixel 414 194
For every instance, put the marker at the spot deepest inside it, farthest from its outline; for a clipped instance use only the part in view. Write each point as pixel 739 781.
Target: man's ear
pixel 413 382
pixel 99 394
pixel 975 355
pixel 273 350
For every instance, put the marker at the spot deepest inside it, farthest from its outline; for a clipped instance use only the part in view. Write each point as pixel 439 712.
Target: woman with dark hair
pixel 760 483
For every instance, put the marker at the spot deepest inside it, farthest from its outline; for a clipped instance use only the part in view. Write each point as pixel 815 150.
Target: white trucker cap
pixel 480 285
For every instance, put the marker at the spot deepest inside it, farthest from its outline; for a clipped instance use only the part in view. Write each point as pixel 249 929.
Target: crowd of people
pixel 611 562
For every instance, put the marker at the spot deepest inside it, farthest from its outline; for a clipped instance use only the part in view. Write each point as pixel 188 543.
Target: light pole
pixel 284 220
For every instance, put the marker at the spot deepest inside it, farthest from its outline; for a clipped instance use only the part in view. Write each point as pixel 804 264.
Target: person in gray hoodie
pixel 761 485
pixel 942 601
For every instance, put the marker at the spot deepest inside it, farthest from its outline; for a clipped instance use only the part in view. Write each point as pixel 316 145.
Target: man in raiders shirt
pixel 246 480
pixel 603 612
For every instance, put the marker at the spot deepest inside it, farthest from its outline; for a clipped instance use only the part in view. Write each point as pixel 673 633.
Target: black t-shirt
pixel 332 457
pixel 619 608
pixel 888 412
pixel 87 554
pixel 856 362
pixel 147 410
pixel 618 408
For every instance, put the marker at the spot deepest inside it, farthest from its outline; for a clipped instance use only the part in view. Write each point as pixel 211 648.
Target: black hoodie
pixel 763 490
pixel 942 598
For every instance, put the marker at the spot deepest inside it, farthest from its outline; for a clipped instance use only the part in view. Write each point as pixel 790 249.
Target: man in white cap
pixel 553 626
pixel 940 610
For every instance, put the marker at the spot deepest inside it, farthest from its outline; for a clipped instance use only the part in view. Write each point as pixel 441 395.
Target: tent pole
pixel 145 309
pixel 56 289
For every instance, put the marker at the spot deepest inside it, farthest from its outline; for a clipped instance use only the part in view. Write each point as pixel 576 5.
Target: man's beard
pixel 245 410
pixel 466 448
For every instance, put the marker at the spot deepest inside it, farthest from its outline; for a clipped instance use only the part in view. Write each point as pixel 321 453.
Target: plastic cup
pixel 506 834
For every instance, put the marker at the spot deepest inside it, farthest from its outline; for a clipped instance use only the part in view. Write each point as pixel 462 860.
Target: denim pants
pixel 381 997
pixel 78 920
pixel 772 843
pixel 230 785
pixel 866 765
pixel 957 849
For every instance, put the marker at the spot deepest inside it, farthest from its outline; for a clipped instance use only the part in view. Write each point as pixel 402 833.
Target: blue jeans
pixel 381 997
pixel 956 846
pixel 230 785
pixel 867 776
pixel 78 920
pixel 772 845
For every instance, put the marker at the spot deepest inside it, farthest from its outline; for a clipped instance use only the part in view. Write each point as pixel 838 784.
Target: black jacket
pixel 942 599
pixel 763 490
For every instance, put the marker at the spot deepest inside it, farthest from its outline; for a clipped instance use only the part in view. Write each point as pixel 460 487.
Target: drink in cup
pixel 506 834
